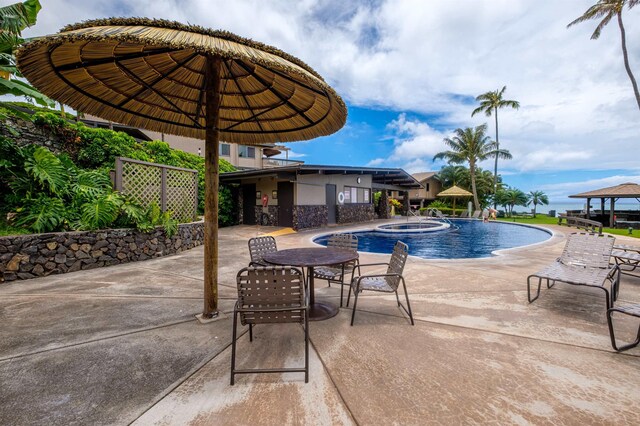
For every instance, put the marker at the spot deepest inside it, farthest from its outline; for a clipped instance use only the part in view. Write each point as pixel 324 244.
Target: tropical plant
pixel 471 146
pixel 511 197
pixel 454 175
pixel 490 102
pixel 537 197
pixel 13 19
pixel 606 10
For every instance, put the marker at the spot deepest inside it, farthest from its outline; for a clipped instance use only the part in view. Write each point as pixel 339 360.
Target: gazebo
pixel 614 193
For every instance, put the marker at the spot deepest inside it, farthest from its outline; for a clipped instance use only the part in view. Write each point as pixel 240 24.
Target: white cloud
pixel 375 162
pixel 577 106
pixel 293 154
pixel 589 185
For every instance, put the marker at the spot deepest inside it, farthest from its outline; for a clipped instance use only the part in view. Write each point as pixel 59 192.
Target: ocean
pixel 631 204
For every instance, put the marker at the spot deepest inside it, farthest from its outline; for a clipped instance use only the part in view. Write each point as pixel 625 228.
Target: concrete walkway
pixel 120 345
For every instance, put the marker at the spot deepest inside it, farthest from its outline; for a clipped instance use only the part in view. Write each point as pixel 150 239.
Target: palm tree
pixel 13 19
pixel 537 197
pixel 454 175
pixel 471 146
pixel 490 102
pixel 511 197
pixel 606 10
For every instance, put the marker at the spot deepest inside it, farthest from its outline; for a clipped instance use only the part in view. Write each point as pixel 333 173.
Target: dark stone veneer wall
pixel 307 217
pixel 353 213
pixel 270 218
pixel 29 256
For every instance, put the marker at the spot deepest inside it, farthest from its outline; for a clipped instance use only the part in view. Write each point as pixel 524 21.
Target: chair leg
pixel 552 283
pixel 233 347
pixel 355 303
pixel 306 345
pixel 613 337
pixel 251 332
pixel 529 288
pixel 349 294
pixel 408 304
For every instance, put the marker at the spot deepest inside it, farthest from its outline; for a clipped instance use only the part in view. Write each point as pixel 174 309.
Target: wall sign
pixel 341 197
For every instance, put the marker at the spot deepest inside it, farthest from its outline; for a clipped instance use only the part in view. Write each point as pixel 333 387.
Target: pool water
pixel 466 239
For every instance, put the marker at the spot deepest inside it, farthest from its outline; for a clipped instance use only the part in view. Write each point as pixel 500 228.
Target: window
pixel 246 151
pixel 427 186
pixel 225 149
pixel 354 195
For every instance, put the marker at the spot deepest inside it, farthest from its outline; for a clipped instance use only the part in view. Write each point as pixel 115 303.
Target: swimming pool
pixel 467 239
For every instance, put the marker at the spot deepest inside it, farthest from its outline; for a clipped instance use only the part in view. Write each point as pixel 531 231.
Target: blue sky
pixel 409 71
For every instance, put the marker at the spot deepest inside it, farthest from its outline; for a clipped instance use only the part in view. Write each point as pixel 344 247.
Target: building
pixel 307 196
pixel 240 156
pixel 430 186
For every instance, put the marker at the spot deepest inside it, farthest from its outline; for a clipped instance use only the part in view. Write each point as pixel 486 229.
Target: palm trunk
pixel 495 169
pixel 472 170
pixel 626 59
pixel 534 209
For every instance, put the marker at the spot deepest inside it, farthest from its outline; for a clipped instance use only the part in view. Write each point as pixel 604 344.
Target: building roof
pixel 624 190
pixel 420 177
pixel 383 178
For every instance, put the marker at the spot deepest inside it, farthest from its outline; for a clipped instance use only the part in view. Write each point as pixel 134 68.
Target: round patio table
pixel 310 257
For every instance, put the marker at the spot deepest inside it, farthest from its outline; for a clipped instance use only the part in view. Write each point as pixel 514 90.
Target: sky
pixel 409 72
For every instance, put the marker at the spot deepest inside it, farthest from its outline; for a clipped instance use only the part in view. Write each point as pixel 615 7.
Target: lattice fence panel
pixel 142 182
pixel 171 188
pixel 182 194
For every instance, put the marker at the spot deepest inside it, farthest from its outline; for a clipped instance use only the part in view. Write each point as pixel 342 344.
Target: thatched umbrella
pixel 185 80
pixel 454 191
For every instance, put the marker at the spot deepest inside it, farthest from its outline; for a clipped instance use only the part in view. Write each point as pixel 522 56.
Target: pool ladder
pixel 438 215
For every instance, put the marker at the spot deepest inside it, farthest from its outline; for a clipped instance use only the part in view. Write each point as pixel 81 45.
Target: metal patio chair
pixel 269 295
pixel 336 273
pixel 258 247
pixel 631 310
pixel 386 283
pixel 584 262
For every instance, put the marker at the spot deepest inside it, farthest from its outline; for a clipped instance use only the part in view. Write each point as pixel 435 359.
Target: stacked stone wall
pixel 24 132
pixel 29 256
pixel 354 213
pixel 309 217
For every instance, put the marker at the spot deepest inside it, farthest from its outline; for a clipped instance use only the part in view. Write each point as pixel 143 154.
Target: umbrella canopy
pixel 185 80
pixel 454 191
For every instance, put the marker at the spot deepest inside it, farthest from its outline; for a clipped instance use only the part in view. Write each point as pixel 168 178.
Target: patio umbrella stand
pixel 185 80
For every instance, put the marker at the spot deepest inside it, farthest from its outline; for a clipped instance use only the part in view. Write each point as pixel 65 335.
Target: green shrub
pixel 96 149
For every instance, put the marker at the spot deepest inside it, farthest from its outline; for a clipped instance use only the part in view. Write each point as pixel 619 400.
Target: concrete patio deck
pixel 121 345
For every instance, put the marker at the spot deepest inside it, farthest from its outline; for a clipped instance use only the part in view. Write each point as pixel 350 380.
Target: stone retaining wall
pixel 24 132
pixel 354 213
pixel 29 256
pixel 308 217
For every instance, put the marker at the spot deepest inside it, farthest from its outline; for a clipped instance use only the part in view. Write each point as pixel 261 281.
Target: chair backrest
pixel 396 263
pixel 259 246
pixel 589 250
pixel 266 294
pixel 476 214
pixel 346 241
pixel 465 213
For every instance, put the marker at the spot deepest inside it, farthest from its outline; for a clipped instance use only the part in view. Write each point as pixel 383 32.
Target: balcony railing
pixel 278 162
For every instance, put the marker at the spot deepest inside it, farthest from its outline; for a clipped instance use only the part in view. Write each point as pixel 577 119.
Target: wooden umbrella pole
pixel 211 181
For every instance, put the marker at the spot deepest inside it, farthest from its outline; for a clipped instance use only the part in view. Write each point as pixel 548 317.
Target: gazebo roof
pixel 624 190
pixel 455 191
